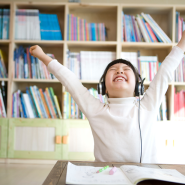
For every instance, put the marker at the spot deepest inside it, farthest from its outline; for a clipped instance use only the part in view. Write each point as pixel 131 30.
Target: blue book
pixel 158 38
pixel 31 102
pixel 58 30
pixel 53 33
pixel 34 100
pixel 41 103
pixel 147 30
pixel 25 66
pixel 132 29
pixel 42 34
pixel 67 26
pixel 128 31
pixel 93 31
pixel 38 100
pixel 21 54
pixel 8 22
pixel 23 106
pixel 1 22
pixel 177 26
pixel 32 66
pixel 53 102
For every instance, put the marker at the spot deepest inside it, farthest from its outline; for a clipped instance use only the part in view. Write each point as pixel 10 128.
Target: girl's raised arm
pixel 86 102
pixel 159 85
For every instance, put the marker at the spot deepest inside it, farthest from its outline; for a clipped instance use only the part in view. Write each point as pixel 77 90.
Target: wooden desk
pixel 57 176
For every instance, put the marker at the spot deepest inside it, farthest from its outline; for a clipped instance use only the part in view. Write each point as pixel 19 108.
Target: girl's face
pixel 120 81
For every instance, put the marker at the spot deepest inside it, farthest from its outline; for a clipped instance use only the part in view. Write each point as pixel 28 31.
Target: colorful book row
pixel 35 103
pixel 4 23
pixel 26 66
pixel 142 28
pixel 78 29
pixel 84 64
pixel 179 27
pixel 179 73
pixel 71 109
pixel 46 26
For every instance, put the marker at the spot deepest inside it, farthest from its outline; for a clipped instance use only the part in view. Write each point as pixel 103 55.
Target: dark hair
pixel 134 69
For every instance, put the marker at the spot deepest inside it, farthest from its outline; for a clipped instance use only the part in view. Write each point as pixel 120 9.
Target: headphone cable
pixel 139 127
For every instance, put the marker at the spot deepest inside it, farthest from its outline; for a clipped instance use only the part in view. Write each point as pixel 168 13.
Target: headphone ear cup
pixel 101 88
pixel 137 90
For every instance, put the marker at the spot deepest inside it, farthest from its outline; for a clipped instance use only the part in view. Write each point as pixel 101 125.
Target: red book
pixel 86 27
pixel 150 71
pixel 181 104
pixel 151 32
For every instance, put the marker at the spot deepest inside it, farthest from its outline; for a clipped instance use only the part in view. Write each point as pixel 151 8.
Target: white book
pixel 154 27
pixel 138 31
pixel 28 105
pixel 125 175
pixel 142 28
pixel 3 106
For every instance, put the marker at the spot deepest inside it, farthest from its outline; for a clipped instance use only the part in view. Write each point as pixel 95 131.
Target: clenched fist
pixel 37 52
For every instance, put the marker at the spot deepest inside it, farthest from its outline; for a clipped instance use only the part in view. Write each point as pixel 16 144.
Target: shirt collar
pixel 129 100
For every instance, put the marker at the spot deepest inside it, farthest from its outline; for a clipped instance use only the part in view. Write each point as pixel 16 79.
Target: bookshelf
pixel 110 14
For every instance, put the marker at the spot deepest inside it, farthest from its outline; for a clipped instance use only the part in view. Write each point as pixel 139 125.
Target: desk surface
pixel 57 176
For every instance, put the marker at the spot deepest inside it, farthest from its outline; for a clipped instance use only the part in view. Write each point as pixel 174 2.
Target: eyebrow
pixel 122 67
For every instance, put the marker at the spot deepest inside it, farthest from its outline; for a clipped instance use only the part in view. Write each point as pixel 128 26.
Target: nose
pixel 120 71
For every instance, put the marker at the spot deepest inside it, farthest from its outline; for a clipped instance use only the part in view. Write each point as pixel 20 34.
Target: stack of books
pixel 142 28
pixel 179 27
pixel 179 73
pixel 3 71
pixel 27 66
pixel 71 109
pixel 4 23
pixel 32 25
pixel 179 104
pixel 35 103
pixel 3 98
pixel 78 29
pixel 85 63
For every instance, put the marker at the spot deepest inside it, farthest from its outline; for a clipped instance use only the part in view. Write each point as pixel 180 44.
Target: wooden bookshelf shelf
pixel 37 80
pixel 146 45
pixel 42 42
pixel 4 41
pixel 4 79
pixel 110 14
pixel 91 43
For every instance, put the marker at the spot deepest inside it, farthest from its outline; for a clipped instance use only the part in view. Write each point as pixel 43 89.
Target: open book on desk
pixel 126 175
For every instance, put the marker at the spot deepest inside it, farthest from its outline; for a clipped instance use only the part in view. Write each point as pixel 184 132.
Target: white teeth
pixel 119 79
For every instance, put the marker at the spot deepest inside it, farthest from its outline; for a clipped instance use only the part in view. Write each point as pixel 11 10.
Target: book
pixel 126 174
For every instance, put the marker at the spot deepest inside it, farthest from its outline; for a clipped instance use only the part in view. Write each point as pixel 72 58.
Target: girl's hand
pixel 181 43
pixel 37 51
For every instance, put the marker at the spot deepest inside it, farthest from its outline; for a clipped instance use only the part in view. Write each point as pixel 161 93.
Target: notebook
pixel 126 175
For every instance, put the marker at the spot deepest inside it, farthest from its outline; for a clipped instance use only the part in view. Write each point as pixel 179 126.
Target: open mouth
pixel 119 79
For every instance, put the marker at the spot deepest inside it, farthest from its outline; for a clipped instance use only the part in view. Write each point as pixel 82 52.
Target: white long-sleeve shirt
pixel 115 125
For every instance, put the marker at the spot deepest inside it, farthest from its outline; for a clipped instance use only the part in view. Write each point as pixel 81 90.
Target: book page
pixel 136 174
pixel 87 175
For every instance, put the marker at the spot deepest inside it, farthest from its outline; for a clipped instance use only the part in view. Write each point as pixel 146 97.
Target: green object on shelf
pixel 3 137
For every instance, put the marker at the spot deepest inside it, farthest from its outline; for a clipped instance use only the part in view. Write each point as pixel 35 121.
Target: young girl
pixel 115 125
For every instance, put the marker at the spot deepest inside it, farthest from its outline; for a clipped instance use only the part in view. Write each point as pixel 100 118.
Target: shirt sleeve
pixel 155 93
pixel 86 102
